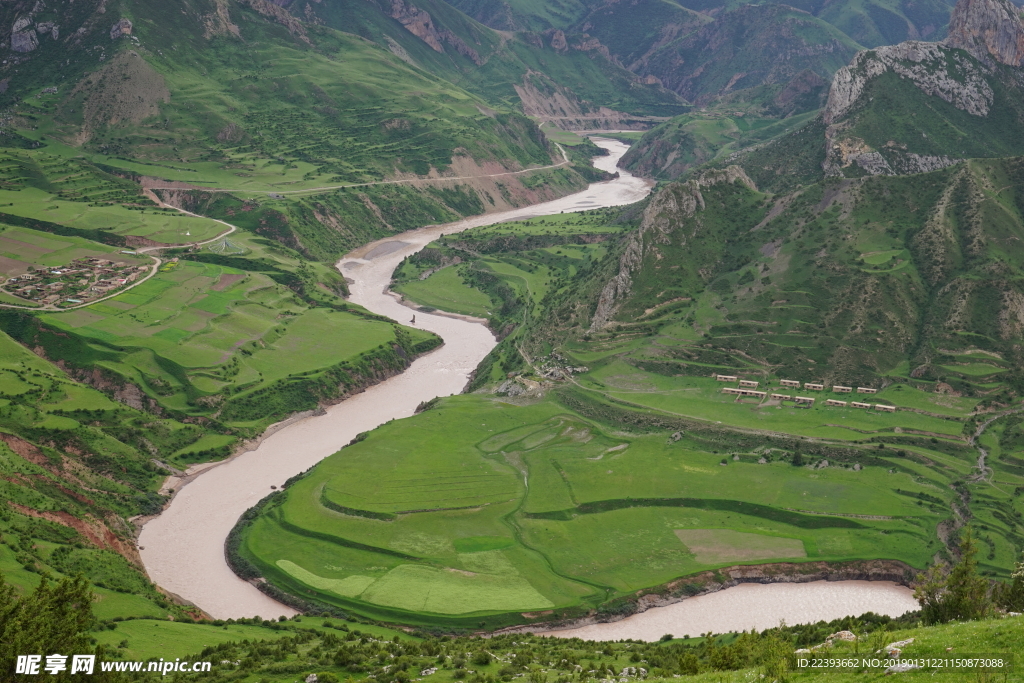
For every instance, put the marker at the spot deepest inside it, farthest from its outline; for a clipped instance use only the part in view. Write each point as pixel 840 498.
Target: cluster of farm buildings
pixel 748 387
pixel 81 281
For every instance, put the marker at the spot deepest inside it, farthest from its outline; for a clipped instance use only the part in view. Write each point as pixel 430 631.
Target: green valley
pixel 600 458
pixel 786 351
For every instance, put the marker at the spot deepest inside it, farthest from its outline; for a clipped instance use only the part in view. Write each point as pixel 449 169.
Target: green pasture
pixel 140 639
pixel 479 507
pixel 447 291
pixel 160 225
pixel 562 137
pixel 974 369
pixel 702 397
pixel 24 247
pixel 216 330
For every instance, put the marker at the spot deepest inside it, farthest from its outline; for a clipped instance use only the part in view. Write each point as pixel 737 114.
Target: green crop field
pixel 21 248
pixel 480 507
pixel 200 330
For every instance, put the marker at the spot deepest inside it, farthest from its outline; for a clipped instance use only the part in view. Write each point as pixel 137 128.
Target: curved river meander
pixel 183 548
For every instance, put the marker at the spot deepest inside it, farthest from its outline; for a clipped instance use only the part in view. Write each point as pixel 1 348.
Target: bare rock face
pixel 23 36
pixel 24 41
pixel 665 211
pixel 990 30
pixel 45 27
pixel 418 22
pixel 558 42
pixel 121 29
pixel 929 66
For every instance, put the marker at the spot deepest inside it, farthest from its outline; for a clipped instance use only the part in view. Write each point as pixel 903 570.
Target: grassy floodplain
pixel 481 507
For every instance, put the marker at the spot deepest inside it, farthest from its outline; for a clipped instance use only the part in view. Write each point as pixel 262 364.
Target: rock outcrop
pixel 23 36
pixel 419 23
pixel 990 30
pixel 928 66
pixel 122 29
pixel 664 213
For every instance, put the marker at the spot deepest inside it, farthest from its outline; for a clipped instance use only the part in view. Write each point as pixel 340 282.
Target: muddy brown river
pixel 183 548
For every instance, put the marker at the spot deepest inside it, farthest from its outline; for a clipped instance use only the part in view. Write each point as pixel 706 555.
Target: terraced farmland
pixel 515 508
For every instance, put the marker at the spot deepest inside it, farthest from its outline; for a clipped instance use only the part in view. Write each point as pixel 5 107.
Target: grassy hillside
pixel 528 15
pixel 74 466
pixel 509 273
pixel 855 268
pixel 676 147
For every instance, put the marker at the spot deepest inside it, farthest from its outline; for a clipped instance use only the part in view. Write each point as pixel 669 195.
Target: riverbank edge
pixel 714 580
pixel 682 588
pixel 174 483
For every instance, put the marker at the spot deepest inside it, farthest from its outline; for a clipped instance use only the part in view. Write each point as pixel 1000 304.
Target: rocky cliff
pixel 663 214
pixel 990 30
pixel 865 137
pixel 933 69
pixel 928 66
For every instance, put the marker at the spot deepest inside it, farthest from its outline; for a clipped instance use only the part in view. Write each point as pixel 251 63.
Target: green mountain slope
pixel 74 466
pixel 442 40
pixel 749 46
pixel 633 32
pixel 881 277
pixel 525 15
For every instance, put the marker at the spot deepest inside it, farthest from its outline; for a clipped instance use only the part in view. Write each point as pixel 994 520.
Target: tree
pixel 53 619
pixel 1013 597
pixel 962 595
pixel 798 458
pixel 775 656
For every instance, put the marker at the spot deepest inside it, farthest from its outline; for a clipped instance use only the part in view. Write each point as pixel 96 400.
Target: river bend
pixel 183 548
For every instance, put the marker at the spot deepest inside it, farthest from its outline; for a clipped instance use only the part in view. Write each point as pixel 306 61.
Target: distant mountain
pixel 748 47
pixel 920 106
pixel 525 15
pixel 896 109
pixel 868 22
